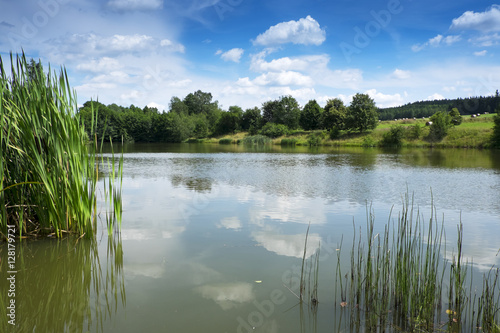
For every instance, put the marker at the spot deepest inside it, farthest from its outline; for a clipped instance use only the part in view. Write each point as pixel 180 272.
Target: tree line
pixel 199 116
pixel 465 106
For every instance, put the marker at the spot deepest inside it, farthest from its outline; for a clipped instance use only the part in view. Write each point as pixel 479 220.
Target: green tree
pixel 199 102
pixel 456 118
pixel 441 122
pixel 362 115
pixel 273 130
pixel 178 106
pixel 335 115
pixel 251 118
pixel 310 118
pixel 229 122
pixel 495 139
pixel 285 111
pixel 394 137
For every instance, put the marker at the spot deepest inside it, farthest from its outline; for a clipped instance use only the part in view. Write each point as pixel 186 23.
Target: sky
pixel 247 52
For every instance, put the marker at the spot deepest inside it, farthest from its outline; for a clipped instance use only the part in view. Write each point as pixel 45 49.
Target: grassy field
pixel 472 133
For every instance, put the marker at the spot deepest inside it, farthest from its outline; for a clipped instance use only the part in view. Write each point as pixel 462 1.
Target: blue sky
pixel 246 52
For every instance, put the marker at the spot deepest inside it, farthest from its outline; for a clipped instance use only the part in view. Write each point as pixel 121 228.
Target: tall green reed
pixel 396 279
pixel 49 170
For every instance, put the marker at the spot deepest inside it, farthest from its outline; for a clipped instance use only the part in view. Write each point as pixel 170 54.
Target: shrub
pixel 256 140
pixel 441 122
pixel 414 132
pixel 394 137
pixel 289 142
pixel 273 130
pixel 334 133
pixel 225 141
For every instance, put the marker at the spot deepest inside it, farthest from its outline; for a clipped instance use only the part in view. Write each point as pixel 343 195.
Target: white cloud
pixel 171 46
pixel 480 53
pixel 160 107
pixel 384 101
pixel 96 45
pixel 231 55
pixel 437 41
pixel 486 21
pixel 448 40
pixel 401 74
pixel 486 40
pixel 304 31
pixel 285 78
pixel 104 64
pixel 434 97
pixel 126 5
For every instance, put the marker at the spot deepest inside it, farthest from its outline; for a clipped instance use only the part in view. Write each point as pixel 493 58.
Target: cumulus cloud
pixel 383 100
pixel 285 78
pixel 95 45
pixel 104 64
pixel 131 5
pixel 259 64
pixel 480 53
pixel 486 21
pixel 434 97
pixel 401 74
pixel 305 31
pixel 437 41
pixel 486 40
pixel 231 55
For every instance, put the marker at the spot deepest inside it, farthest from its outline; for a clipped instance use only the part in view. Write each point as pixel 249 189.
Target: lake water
pixel 212 236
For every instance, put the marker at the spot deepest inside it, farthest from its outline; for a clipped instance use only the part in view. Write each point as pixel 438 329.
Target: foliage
pixel 256 140
pixel 315 138
pixel 285 111
pixel 393 137
pixel 441 122
pixel 49 172
pixel 465 106
pixel 456 118
pixel 273 130
pixel 288 141
pixel 251 118
pixel 334 133
pixel 228 122
pixel 495 139
pixel 225 141
pixel 335 114
pixel 310 118
pixel 362 115
pixel 414 132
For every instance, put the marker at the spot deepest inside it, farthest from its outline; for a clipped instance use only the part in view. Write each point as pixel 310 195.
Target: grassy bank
pixel 49 170
pixel 472 133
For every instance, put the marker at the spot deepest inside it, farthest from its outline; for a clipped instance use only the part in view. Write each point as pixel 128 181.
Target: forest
pixel 466 106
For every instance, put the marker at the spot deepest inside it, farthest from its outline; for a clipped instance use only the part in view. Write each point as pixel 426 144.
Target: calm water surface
pixel 212 233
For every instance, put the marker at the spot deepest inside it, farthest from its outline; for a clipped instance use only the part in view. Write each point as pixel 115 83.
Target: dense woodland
pixel 466 106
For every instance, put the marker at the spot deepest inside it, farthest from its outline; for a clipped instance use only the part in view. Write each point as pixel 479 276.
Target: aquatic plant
pixel 50 171
pixel 396 280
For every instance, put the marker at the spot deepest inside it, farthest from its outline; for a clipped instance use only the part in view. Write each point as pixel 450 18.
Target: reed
pixel 50 172
pixel 396 279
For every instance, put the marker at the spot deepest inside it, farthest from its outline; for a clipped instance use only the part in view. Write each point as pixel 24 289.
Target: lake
pixel 213 236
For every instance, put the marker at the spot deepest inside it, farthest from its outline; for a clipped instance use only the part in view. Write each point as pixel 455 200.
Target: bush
pixel 394 137
pixel 334 133
pixel 273 130
pixel 225 141
pixel 495 139
pixel 256 140
pixel 414 132
pixel 441 122
pixel 289 142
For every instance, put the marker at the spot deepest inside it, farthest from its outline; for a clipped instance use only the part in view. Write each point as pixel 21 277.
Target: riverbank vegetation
pixel 197 118
pixel 50 171
pixel 405 279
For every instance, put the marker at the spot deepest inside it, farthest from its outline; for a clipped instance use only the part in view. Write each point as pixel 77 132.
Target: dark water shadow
pixel 64 285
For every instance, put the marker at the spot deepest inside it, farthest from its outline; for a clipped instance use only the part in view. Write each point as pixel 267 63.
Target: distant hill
pixel 465 106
